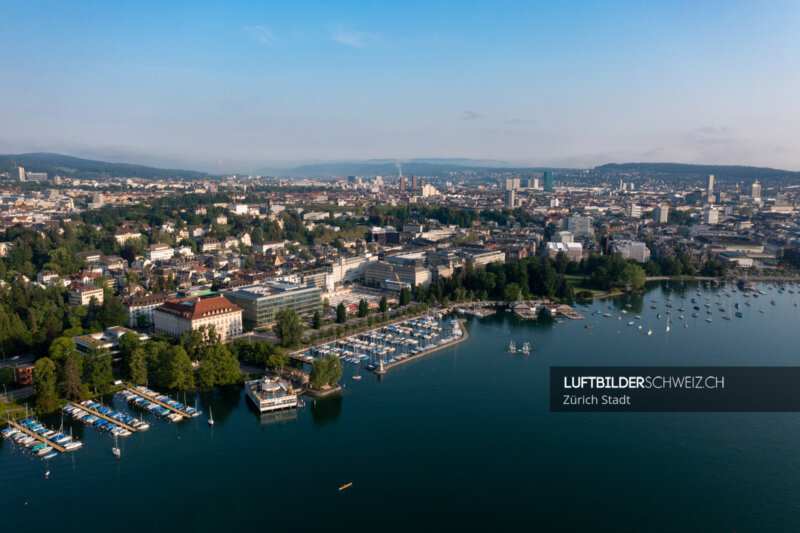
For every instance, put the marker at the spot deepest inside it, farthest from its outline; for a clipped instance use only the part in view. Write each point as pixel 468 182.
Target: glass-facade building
pixel 261 303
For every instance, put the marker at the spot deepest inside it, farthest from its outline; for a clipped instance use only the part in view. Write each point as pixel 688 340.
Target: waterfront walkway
pixel 37 436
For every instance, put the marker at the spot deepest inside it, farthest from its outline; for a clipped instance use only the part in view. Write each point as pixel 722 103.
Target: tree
pixel 512 292
pixel 97 371
pixel 326 305
pixel 128 344
pixel 325 371
pixel 6 375
pixel 713 268
pixel 288 328
pixel 651 268
pixel 112 312
pixel 176 368
pixel 61 348
pixel 71 385
pixel 405 296
pixel 225 364
pixel 384 305
pixel 205 375
pixel 363 308
pixel 316 322
pixel 341 313
pixel 137 366
pixel 278 359
pixel 44 385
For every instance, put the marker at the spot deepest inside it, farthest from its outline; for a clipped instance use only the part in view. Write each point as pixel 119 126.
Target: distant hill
pixel 681 171
pixel 68 166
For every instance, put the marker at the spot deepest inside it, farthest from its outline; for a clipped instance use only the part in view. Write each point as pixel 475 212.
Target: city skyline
pixel 237 88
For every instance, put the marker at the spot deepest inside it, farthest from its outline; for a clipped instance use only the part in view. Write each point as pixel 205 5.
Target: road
pixel 10 361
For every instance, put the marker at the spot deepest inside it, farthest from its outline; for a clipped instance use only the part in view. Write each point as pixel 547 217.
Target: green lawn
pixel 578 283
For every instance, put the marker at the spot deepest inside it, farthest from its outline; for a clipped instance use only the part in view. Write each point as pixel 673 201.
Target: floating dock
pixel 101 415
pixel 38 437
pixel 151 396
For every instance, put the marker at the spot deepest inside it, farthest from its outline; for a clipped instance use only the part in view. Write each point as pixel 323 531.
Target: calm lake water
pixel 460 440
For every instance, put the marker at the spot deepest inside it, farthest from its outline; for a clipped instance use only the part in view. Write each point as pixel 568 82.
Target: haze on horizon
pixel 230 88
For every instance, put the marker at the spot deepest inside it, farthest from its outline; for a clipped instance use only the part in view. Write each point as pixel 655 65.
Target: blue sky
pixel 231 87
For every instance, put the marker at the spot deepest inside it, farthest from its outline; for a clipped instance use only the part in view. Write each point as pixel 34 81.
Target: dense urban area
pixel 192 281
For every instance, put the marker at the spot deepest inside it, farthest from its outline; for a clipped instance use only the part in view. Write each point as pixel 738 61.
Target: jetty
pixel 101 415
pixel 152 397
pixel 38 437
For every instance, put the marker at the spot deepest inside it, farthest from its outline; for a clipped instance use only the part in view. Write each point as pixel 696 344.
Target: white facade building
pixel 176 316
pixel 160 252
pixel 633 250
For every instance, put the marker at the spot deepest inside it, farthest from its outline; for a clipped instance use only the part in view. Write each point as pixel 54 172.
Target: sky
pixel 235 86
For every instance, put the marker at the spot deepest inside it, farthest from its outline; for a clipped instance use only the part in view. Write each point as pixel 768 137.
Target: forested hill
pixel 68 166
pixel 681 171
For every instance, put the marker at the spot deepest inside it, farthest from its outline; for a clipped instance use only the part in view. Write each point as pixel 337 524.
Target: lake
pixel 462 439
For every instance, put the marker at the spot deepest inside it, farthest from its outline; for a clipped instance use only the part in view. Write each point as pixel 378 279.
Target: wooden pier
pixel 158 402
pixel 101 415
pixel 38 437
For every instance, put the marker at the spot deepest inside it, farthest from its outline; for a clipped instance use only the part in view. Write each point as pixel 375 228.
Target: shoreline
pixel 320 394
pixel 464 336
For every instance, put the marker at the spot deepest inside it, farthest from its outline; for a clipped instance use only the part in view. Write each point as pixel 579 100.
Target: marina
pixel 116 422
pixel 29 431
pixel 431 415
pixel 159 404
pixel 390 345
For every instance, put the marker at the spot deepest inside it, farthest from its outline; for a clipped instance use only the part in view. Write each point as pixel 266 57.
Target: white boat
pixel 512 348
pixel 270 394
pixel 115 450
pixel 526 348
pixel 210 417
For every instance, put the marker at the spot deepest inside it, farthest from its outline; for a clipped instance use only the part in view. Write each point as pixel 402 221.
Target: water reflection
pixel 325 410
pixel 279 418
pixel 222 400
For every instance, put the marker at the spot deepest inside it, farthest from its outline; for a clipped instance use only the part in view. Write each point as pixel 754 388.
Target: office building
pixel 414 182
pixel 548 181
pixel 36 176
pixel 711 216
pixel 661 214
pixel 573 250
pixel 159 252
pixel 632 250
pixel 106 341
pixel 755 192
pixel 141 309
pixel 407 268
pixel 84 294
pixel 510 198
pixel 710 188
pixel 579 226
pixel 260 303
